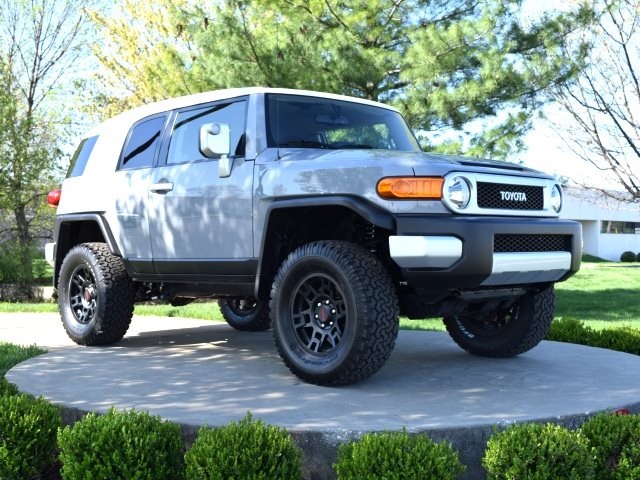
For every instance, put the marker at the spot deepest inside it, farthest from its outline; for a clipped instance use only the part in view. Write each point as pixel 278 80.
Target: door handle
pixel 162 187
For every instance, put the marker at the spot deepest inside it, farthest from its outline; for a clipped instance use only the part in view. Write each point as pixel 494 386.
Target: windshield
pixel 312 122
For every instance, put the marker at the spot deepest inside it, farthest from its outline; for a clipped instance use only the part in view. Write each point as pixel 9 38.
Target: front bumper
pixel 459 253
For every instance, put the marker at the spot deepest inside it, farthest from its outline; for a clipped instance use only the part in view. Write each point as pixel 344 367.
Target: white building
pixel 609 226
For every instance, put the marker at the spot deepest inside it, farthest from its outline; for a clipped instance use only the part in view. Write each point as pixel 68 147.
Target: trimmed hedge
pixel 6 388
pixel 247 450
pixel 616 441
pixel 628 257
pixel 538 452
pixel 128 445
pixel 28 428
pixel 571 330
pixel 397 456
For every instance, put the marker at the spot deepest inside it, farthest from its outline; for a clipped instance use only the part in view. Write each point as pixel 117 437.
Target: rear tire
pixel 245 314
pixel 95 295
pixel 334 313
pixel 507 332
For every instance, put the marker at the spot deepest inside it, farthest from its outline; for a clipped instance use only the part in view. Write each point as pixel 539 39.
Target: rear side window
pixel 140 150
pixel 81 157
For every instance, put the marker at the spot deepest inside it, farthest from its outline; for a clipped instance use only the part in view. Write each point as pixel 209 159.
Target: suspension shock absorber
pixel 370 240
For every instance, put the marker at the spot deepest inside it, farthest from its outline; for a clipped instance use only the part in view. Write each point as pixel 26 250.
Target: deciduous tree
pixel 38 44
pixel 603 102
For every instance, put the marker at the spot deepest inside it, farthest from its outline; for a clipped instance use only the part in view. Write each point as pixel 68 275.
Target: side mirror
pixel 215 139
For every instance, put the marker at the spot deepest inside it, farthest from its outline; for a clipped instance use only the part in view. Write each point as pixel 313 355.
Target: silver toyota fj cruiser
pixel 313 214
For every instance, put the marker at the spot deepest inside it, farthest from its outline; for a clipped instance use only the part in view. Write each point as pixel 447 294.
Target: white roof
pixel 130 116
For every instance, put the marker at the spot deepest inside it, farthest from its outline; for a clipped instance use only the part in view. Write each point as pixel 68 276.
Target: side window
pixel 142 144
pixel 184 146
pixel 81 157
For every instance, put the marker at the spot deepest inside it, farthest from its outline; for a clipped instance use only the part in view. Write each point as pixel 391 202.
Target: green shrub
pixel 12 268
pixel 397 456
pixel 127 445
pixel 622 339
pixel 28 429
pixel 247 450
pixel 628 257
pixel 570 330
pixel 7 388
pixel 538 452
pixel 616 439
pixel 11 355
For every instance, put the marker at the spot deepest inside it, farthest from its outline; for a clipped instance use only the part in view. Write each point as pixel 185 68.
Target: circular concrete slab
pixel 210 374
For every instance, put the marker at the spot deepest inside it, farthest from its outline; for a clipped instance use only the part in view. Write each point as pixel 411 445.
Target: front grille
pixel 510 197
pixel 531 243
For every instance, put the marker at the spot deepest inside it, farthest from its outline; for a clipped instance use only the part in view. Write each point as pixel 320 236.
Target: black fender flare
pixel 63 235
pixel 372 213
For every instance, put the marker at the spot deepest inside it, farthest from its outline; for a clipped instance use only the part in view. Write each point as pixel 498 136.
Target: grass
pixel 602 294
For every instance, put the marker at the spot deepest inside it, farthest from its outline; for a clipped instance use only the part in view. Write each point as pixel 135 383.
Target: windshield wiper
pixel 303 144
pixel 354 146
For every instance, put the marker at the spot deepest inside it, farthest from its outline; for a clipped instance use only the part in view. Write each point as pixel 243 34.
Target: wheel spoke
pixel 335 335
pixel 307 293
pixel 315 342
pixel 301 319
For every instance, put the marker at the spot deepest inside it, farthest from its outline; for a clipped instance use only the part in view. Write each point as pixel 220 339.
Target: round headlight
pixel 556 198
pixel 459 192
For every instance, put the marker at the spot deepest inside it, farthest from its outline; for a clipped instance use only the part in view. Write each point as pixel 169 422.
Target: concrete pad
pixel 197 373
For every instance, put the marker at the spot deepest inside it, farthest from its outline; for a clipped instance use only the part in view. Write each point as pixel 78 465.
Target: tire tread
pixel 116 308
pixel 375 342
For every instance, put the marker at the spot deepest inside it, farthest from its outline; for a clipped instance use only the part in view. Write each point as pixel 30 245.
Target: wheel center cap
pixel 88 294
pixel 324 314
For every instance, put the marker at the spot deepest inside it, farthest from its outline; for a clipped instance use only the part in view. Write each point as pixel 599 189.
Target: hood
pixel 427 164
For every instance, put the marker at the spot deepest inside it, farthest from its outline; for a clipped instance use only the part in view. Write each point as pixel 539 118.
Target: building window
pixel 610 226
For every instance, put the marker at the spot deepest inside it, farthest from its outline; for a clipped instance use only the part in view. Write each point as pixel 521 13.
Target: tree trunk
pixel 24 250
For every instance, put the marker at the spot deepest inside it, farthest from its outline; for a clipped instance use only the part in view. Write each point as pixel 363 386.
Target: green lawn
pixel 601 295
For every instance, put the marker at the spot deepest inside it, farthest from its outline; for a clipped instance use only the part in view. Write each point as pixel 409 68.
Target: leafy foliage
pixel 28 429
pixel 11 355
pixel 245 450
pixel 538 452
pixel 628 257
pixel 38 44
pixel 397 456
pixel 445 63
pixel 132 445
pixel 616 439
pixel 571 330
pixel 6 388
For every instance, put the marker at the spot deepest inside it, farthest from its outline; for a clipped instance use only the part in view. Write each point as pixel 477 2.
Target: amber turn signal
pixel 417 188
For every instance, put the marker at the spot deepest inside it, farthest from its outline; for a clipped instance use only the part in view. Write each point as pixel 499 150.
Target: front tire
pixel 506 332
pixel 245 314
pixel 334 313
pixel 95 295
